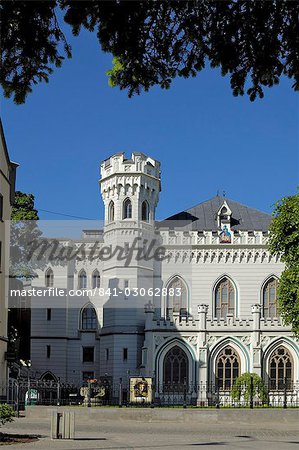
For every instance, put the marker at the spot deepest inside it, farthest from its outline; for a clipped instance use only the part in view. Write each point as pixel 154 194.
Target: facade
pixel 204 313
pixel 7 189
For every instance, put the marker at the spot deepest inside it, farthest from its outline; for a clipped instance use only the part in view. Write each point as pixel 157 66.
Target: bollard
pixel 63 425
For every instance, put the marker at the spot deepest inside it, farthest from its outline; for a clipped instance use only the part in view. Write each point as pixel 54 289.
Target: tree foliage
pixel 284 242
pixel 6 413
pixel 23 230
pixel 241 390
pixel 254 42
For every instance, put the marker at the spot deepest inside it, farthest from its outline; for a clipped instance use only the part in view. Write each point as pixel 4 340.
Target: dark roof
pixel 204 217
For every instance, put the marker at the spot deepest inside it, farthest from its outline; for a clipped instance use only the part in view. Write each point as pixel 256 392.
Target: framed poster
pixel 140 390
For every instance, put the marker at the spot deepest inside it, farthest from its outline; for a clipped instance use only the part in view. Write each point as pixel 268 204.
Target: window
pixel 227 368
pixel 49 313
pixel 125 354
pixel 126 289
pixel 88 375
pixel 82 280
pixel 88 354
pixel 107 354
pixel 224 299
pixel 89 318
pixel 96 280
pixel 176 297
pixel 281 369
pixel 48 351
pixel 269 299
pixel 1 206
pixel 49 278
pixel 111 211
pixel 145 211
pixel 127 209
pixel 175 367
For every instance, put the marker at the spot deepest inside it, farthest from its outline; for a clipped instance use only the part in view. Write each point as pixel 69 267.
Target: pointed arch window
pixel 269 299
pixel 127 209
pixel 145 211
pixel 225 299
pixel 111 211
pixel 175 370
pixel 280 369
pixel 49 278
pixel 176 297
pixel 82 280
pixel 96 280
pixel 89 318
pixel 227 368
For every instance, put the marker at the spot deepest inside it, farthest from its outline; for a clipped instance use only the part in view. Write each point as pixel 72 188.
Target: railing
pixel 20 393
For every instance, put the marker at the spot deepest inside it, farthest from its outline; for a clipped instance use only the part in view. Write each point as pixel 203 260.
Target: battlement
pixel 138 163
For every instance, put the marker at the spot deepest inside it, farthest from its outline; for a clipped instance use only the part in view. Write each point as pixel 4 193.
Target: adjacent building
pixel 7 190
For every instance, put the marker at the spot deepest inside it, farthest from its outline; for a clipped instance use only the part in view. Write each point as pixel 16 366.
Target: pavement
pixel 116 433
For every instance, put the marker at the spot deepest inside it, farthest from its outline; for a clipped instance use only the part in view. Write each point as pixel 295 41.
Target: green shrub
pixel 241 389
pixel 6 413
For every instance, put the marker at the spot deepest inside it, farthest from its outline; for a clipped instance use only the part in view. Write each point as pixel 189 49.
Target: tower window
pixel 48 350
pixel 96 280
pixel 89 318
pixel 127 209
pixel 125 354
pixel 145 211
pixel 49 313
pixel 88 354
pixel 49 278
pixel 111 211
pixel 82 280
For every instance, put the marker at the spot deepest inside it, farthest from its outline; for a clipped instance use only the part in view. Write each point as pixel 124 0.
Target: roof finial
pixel 224 193
pixel 217 193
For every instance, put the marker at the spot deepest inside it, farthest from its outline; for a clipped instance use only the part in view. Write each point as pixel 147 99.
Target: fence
pixel 20 393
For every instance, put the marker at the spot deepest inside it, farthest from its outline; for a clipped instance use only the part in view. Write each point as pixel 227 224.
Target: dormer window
pixel 224 216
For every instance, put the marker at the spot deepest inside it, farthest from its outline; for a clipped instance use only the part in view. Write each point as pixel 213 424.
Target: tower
pixel 130 191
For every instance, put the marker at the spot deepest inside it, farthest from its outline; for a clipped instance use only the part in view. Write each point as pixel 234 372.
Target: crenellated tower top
pixel 130 187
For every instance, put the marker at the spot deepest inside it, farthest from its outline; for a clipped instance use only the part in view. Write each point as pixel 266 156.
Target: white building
pixel 205 314
pixel 7 190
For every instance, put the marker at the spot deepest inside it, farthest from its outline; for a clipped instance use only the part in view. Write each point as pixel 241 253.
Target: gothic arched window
pixel 89 318
pixel 176 296
pixel 82 280
pixel 127 209
pixel 175 371
pixel 227 368
pixel 111 211
pixel 269 299
pixel 145 211
pixel 280 369
pixel 49 278
pixel 95 279
pixel 225 299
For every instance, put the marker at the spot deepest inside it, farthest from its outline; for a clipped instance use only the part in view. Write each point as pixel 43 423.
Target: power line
pixel 66 215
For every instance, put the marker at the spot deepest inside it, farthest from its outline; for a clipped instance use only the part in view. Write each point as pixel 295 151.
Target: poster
pixel 140 390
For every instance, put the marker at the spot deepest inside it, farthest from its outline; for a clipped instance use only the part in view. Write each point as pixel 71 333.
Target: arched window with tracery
pixel 269 299
pixel 49 278
pixel 280 369
pixel 82 280
pixel 95 279
pixel 89 319
pixel 227 368
pixel 127 209
pixel 175 370
pixel 111 211
pixel 225 299
pixel 177 297
pixel 145 211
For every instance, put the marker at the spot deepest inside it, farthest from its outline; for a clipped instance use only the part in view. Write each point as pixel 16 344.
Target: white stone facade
pixel 225 300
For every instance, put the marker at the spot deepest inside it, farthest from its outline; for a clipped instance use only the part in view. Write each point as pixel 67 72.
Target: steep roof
pixel 204 216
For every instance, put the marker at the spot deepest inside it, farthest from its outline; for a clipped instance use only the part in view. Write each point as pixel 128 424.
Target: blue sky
pixel 206 139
